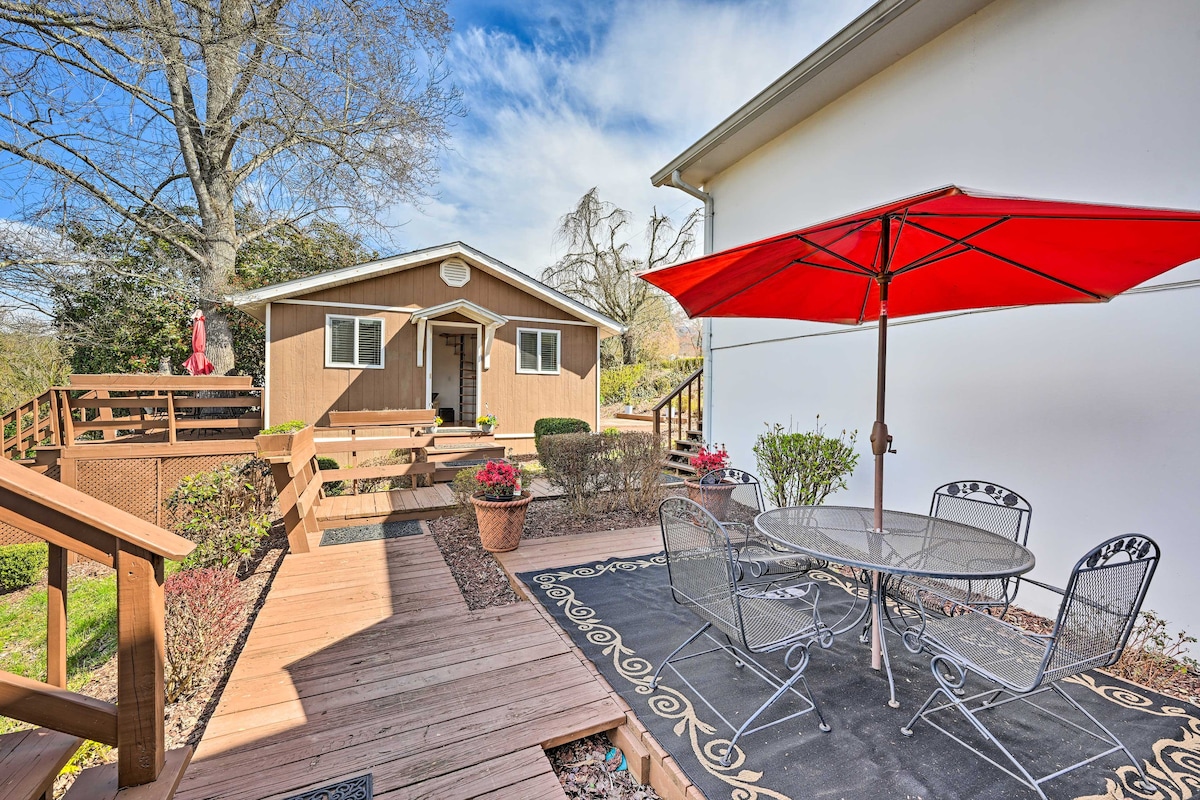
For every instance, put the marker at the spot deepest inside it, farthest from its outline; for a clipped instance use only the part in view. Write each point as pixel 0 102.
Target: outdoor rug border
pixel 1175 766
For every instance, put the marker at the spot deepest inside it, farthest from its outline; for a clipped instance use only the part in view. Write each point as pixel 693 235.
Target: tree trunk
pixel 628 347
pixel 215 274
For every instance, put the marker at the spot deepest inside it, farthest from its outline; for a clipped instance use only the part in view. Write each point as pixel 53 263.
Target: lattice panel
pixel 129 484
pixel 12 535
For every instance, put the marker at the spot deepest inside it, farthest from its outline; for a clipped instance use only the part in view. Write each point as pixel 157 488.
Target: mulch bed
pixel 585 772
pixel 480 578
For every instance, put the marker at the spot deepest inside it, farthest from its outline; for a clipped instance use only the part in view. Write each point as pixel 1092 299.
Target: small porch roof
pixel 488 320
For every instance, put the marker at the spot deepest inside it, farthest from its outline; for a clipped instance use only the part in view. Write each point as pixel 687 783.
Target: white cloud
pixel 546 123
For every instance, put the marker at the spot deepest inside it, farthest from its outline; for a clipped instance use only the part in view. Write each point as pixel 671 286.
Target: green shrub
pixel 549 426
pixel 291 426
pixel 225 511
pixel 622 384
pixel 802 469
pixel 325 464
pixel 205 612
pixel 463 486
pixel 21 565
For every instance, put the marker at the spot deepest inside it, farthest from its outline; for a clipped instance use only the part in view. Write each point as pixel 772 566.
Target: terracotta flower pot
pixel 715 497
pixel 501 522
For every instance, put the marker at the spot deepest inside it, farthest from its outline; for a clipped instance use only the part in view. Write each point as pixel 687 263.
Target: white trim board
pixel 264 399
pixel 365 306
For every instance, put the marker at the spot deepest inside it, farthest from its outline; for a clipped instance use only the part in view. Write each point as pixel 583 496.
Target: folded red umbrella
pixel 197 363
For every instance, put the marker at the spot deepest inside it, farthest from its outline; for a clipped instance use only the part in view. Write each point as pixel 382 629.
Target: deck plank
pixel 366 658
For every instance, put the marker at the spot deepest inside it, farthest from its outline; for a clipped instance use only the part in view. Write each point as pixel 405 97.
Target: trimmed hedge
pixel 550 426
pixel 21 565
pixel 325 464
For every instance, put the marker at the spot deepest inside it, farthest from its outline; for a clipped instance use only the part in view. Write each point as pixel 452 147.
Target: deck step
pixel 31 760
pixel 464 452
pixel 100 783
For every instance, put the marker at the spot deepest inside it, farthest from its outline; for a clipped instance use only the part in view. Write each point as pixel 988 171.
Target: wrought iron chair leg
pixel 786 686
pixel 1137 764
pixel 675 652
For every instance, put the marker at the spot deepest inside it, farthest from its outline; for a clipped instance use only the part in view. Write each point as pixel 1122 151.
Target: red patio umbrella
pixel 197 363
pixel 944 250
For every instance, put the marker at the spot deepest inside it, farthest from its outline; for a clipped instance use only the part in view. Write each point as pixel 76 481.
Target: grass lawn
pixel 91 631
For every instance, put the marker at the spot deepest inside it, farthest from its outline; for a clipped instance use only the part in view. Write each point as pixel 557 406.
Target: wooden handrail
pixel 52 707
pixel 70 520
pixel 42 428
pixel 678 411
pixel 116 382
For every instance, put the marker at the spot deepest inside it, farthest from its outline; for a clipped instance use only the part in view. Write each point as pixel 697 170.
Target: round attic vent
pixel 455 272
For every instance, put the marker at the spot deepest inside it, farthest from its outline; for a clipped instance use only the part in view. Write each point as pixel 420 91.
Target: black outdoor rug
pixel 367 533
pixel 357 788
pixel 620 613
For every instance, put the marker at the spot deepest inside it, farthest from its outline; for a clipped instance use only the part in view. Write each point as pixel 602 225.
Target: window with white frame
pixel 353 342
pixel 537 351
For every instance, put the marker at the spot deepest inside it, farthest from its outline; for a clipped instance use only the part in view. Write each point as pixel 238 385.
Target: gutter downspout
pixel 706 330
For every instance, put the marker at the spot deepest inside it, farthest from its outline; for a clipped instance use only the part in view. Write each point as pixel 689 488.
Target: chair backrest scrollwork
pixel 744 492
pixel 983 504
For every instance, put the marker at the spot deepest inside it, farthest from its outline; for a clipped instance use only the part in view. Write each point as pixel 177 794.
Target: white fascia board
pixel 465 307
pixel 253 302
pixel 882 35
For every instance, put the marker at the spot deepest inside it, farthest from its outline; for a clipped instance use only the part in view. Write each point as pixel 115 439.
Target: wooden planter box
pixel 280 445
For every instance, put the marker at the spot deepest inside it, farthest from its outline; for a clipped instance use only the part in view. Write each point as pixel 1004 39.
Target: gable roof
pixel 882 35
pixel 254 302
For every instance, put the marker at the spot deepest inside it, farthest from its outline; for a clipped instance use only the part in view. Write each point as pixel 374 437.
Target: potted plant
pixel 627 399
pixel 486 422
pixel 437 423
pixel 713 496
pixel 500 506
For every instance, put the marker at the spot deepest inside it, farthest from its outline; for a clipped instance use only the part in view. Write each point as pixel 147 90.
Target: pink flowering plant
pixel 499 479
pixel 706 460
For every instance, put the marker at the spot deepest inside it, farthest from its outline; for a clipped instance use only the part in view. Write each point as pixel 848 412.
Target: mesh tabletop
pixel 911 544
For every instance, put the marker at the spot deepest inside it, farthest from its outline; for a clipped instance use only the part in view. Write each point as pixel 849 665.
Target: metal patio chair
pixel 1098 609
pixel 702 566
pixel 734 497
pixel 982 504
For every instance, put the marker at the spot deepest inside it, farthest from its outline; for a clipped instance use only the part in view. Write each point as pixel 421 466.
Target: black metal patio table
pixel 909 544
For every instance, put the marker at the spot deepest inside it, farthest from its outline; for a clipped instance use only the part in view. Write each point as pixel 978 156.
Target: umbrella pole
pixel 880 443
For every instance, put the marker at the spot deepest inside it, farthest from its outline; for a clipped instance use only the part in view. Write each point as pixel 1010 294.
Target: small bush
pixel 622 384
pixel 802 469
pixel 224 511
pixel 636 470
pixel 325 463
pixel 1153 656
pixel 21 565
pixel 291 426
pixel 205 611
pixel 549 426
pixel 463 486
pixel 579 464
pixel 369 485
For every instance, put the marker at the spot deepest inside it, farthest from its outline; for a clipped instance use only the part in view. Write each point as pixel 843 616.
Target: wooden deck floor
pixel 427 502
pixel 366 659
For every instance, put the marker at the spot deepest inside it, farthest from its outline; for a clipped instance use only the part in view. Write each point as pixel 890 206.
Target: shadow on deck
pixel 366 659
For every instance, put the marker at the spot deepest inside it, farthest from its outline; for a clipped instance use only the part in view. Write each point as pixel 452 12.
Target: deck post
pixel 56 618
pixel 141 656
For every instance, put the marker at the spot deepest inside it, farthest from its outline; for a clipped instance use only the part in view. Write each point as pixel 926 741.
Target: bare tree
pixel 210 123
pixel 600 268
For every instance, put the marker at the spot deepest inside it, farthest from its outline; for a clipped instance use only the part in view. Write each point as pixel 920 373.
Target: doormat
pixel 369 533
pixel 357 788
pixel 620 613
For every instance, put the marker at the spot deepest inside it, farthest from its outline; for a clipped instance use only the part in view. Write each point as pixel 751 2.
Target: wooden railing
pixel 31 423
pixel 144 408
pixel 69 520
pixel 156 406
pixel 357 432
pixel 683 409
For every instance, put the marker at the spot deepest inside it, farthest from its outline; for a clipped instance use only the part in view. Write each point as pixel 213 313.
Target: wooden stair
pixel 30 760
pixel 677 457
pixel 100 782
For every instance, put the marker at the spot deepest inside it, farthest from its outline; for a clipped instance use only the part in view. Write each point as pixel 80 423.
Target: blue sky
pixel 563 96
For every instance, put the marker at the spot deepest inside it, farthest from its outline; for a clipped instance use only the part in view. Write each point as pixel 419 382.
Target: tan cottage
pixel 447 328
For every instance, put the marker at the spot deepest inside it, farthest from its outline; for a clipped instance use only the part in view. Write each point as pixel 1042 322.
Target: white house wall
pixel 1091 411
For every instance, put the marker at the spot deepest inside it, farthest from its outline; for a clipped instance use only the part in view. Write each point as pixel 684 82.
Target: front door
pixel 453 373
